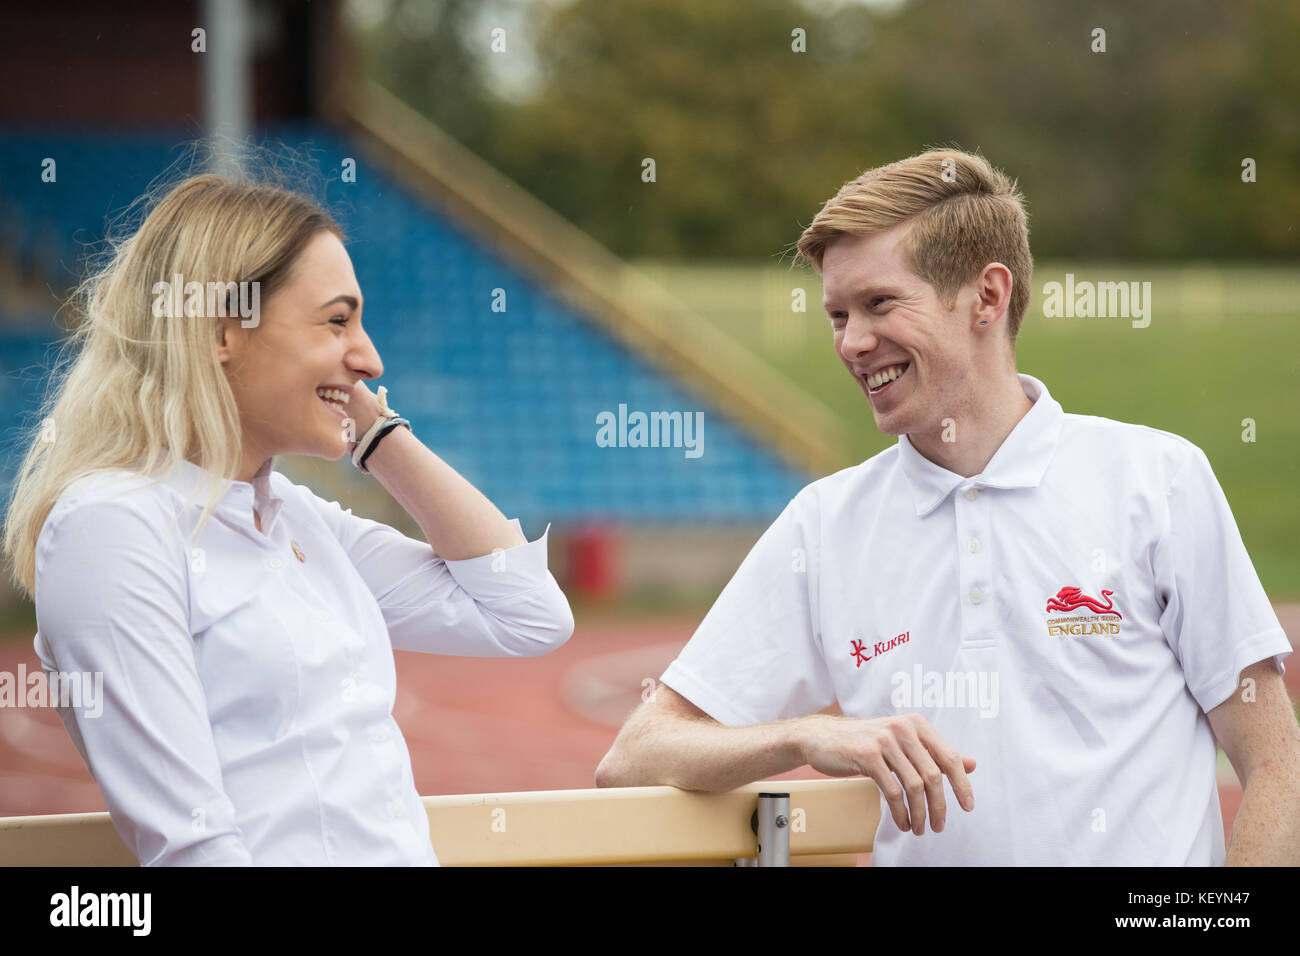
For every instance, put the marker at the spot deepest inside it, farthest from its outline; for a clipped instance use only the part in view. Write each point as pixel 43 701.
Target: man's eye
pixel 877 300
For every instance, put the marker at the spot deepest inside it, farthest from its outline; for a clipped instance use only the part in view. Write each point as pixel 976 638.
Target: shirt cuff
pixel 506 572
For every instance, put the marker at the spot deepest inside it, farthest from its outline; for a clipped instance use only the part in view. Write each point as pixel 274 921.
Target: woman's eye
pixel 340 320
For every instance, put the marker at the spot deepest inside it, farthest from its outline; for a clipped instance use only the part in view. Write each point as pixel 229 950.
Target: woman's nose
pixel 364 359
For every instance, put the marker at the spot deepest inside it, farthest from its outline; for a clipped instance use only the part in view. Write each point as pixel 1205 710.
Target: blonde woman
pixel 246 641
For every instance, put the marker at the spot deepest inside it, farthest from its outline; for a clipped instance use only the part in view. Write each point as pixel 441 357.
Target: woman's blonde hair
pixel 964 215
pixel 137 392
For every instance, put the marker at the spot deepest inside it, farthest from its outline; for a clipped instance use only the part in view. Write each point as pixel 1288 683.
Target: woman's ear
pixel 227 339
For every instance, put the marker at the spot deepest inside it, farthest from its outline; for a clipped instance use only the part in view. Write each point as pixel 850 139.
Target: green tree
pixel 1135 151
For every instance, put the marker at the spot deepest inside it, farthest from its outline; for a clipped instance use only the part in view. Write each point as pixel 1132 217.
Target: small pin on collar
pixel 297 551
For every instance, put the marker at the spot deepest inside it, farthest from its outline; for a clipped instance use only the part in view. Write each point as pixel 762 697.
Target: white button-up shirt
pixel 248 676
pixel 1066 617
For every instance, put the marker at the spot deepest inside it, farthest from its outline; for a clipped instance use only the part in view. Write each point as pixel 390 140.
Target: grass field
pixel 1223 345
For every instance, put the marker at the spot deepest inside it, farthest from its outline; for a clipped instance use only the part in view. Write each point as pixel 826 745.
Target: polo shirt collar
pixel 1020 461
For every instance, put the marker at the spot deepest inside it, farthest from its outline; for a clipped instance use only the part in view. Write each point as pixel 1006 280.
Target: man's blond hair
pixel 964 214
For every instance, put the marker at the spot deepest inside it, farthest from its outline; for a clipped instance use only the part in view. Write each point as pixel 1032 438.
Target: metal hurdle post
pixel 771 824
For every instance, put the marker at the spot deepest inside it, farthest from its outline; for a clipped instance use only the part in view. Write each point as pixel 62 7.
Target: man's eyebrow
pixel 350 300
pixel 863 292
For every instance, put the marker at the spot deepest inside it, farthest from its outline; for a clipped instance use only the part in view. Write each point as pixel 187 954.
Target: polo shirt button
pixel 395 809
pixel 973 544
pixel 972 494
pixel 273 563
pixel 379 734
pixel 356 675
pixel 324 615
pixel 976 595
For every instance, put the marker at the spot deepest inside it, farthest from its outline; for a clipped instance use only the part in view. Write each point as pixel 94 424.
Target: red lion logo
pixel 1068 599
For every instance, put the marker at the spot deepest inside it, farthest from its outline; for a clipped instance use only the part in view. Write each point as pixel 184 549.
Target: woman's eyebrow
pixel 350 300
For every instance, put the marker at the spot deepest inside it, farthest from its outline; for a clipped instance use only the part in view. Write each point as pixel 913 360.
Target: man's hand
pixel 879 748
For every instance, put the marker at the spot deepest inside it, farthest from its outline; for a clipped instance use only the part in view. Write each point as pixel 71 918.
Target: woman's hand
pixel 363 410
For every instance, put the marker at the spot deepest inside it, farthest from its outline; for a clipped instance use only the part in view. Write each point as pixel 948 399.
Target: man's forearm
pixel 699 755
pixel 1266 830
pixel 458 520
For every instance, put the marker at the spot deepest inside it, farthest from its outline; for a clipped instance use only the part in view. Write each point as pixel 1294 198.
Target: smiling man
pixel 1061 600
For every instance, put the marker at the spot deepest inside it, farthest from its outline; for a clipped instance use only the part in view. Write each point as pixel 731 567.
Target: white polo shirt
pixel 248 677
pixel 1065 617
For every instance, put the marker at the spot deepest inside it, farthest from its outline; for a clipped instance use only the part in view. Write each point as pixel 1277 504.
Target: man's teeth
pixel 886 375
pixel 333 395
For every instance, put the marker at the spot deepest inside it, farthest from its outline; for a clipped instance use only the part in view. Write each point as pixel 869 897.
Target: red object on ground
pixel 594 570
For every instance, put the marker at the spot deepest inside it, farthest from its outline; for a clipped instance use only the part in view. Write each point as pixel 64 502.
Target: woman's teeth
pixel 332 396
pixel 886 375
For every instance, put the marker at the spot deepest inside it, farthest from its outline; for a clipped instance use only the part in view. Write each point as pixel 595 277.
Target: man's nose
pixel 858 338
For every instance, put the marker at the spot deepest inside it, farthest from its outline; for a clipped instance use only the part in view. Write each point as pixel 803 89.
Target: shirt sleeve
pixel 1216 617
pixel 757 656
pixel 112 607
pixel 502 604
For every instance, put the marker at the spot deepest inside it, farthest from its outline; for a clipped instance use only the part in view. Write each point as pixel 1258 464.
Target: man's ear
pixel 992 295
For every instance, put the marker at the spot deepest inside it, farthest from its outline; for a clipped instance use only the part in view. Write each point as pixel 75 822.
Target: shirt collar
pixel 240 499
pixel 1020 461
